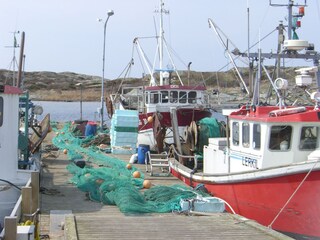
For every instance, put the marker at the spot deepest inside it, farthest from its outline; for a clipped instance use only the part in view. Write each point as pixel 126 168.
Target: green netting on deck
pixel 106 179
pixel 208 128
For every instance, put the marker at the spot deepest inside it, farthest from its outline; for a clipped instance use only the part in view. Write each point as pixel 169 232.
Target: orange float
pixel 147 184
pixel 129 166
pixel 136 174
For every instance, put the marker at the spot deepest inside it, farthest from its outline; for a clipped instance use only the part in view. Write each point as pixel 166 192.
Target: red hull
pixel 184 116
pixel 262 200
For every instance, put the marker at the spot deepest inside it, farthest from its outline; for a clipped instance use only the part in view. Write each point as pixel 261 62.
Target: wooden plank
pixel 10 225
pixel 35 184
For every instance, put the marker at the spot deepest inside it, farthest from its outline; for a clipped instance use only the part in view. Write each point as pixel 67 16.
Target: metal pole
pixel 110 13
pixel 81 102
pixel 80 85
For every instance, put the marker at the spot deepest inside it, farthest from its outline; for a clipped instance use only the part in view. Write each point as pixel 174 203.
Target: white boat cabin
pixel 264 139
pixel 161 98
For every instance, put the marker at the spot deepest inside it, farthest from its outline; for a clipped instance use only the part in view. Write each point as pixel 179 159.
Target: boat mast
pixel 161 36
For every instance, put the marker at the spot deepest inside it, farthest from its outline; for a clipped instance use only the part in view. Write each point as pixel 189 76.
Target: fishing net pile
pixel 110 181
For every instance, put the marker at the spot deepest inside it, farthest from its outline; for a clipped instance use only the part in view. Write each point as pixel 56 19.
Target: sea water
pixel 70 111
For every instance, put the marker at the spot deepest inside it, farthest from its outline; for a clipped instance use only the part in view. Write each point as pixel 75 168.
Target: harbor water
pixel 70 111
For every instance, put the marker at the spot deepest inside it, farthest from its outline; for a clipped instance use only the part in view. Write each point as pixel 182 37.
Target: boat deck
pixel 91 220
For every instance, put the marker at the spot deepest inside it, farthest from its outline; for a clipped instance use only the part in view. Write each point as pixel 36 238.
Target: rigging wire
pixel 10 183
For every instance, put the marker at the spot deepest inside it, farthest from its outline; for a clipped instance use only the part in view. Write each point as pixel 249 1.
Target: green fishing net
pixel 108 180
pixel 208 128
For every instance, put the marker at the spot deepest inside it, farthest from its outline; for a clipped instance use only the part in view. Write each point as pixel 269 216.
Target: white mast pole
pixel 161 43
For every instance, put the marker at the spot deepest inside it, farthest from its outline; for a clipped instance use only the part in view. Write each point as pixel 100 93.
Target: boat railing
pixel 26 208
pixel 176 155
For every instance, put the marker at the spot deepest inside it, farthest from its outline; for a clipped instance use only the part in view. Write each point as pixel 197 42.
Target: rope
pixel 10 183
pixel 270 225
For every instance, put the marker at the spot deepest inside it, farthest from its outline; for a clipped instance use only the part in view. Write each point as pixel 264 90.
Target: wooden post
pixel 35 185
pixel 26 193
pixel 10 226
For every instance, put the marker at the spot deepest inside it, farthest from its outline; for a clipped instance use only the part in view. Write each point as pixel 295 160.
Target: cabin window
pixel 192 97
pixel 256 136
pixel 1 111
pixel 165 96
pixel 235 133
pixel 308 138
pixel 154 97
pixel 280 138
pixel 182 97
pixel 245 135
pixel 174 96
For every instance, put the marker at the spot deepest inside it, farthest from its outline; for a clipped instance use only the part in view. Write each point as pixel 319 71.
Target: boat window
pixel 235 133
pixel 256 136
pixel 308 138
pixel 280 138
pixel 1 111
pixel 154 97
pixel 192 97
pixel 245 135
pixel 165 96
pixel 147 98
pixel 182 97
pixel 174 96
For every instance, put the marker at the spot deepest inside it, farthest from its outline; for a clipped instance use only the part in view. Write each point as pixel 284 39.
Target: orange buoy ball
pixel 147 184
pixel 129 166
pixel 136 174
pixel 65 151
pixel 150 119
pixel 99 181
pixel 103 146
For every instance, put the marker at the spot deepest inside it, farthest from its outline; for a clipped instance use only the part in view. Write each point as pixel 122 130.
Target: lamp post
pixel 110 13
pixel 80 85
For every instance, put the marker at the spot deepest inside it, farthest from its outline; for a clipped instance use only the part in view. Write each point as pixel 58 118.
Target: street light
pixel 80 85
pixel 110 13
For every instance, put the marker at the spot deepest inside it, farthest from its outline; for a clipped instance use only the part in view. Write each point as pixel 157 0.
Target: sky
pixel 65 36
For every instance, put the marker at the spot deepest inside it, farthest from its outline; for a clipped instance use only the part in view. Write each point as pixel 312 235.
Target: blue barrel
pixel 142 150
pixel 91 129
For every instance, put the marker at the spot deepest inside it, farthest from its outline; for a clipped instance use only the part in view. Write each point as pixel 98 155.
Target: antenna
pixel 290 5
pixel 14 62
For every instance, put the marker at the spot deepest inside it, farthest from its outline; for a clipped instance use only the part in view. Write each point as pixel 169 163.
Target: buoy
pixel 150 119
pixel 99 181
pixel 147 184
pixel 136 174
pixel 129 166
pixel 65 151
pixel 87 175
pixel 103 146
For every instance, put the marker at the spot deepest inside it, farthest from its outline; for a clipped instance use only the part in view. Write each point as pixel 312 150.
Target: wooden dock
pixel 66 213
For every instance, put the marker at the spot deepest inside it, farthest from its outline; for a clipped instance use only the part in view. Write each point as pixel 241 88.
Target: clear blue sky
pixel 64 35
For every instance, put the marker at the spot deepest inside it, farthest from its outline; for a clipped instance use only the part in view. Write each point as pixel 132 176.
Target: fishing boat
pixel 164 91
pixel 267 167
pixel 21 135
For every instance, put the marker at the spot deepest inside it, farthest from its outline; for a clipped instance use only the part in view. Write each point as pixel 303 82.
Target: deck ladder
pixel 158 161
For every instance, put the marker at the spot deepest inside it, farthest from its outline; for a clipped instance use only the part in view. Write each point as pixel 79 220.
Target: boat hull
pixel 184 118
pixel 262 199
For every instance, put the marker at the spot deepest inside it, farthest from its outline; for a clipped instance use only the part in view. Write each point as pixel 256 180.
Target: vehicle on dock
pixel 268 165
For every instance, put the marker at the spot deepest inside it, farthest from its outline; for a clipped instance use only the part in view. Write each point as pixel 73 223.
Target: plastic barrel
pixel 142 150
pixel 91 129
